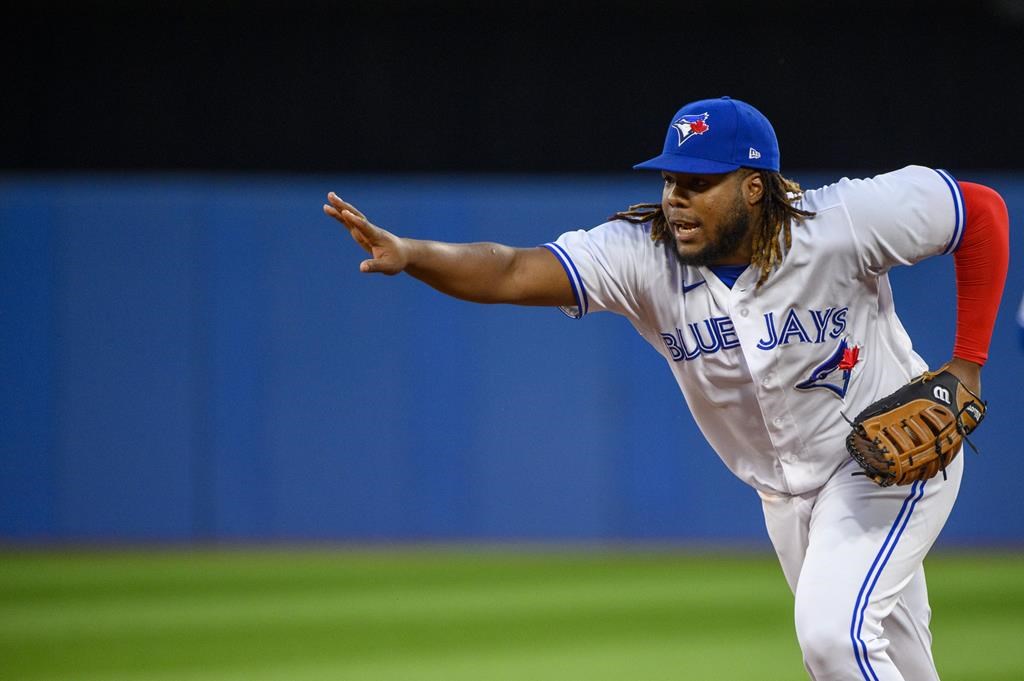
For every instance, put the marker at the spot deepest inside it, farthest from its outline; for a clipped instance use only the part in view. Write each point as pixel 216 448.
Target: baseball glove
pixel 916 431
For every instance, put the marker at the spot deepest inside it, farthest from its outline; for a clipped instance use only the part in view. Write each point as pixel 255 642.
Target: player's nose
pixel 678 197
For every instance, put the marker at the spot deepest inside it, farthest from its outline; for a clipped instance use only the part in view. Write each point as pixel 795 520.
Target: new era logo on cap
pixel 717 136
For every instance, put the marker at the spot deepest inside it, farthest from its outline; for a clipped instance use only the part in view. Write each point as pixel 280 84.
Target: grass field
pixel 453 615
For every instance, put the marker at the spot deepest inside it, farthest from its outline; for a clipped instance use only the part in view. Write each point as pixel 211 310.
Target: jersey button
pixel 744 312
pixel 779 421
pixel 767 380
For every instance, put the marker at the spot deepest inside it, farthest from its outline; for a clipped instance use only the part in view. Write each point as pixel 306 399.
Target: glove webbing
pixel 958 424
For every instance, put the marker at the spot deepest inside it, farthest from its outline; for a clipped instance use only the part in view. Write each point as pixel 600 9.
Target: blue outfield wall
pixel 198 357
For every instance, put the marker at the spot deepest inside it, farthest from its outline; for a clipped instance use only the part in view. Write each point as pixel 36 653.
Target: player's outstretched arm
pixel 481 272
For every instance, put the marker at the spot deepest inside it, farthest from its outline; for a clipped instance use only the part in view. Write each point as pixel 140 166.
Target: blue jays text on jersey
pixel 758 367
pixel 714 334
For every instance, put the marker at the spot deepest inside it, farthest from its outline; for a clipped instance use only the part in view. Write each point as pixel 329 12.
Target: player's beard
pixel 734 231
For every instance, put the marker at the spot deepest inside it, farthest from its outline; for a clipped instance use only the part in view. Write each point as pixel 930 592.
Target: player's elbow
pixel 536 277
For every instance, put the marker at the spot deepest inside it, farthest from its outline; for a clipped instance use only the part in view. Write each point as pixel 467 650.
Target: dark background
pixel 536 86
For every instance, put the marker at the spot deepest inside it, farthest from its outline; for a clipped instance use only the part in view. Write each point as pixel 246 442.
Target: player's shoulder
pixel 623 229
pixel 873 191
pixel 616 240
pixel 619 232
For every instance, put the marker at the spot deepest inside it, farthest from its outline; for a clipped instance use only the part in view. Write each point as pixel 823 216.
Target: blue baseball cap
pixel 717 136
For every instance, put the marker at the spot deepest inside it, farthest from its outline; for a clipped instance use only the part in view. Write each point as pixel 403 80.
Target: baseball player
pixel 772 308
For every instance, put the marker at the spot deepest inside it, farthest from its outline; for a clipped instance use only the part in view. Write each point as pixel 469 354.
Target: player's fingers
pixel 343 205
pixel 358 237
pixel 376 266
pixel 354 232
pixel 334 213
pixel 353 222
pixel 358 222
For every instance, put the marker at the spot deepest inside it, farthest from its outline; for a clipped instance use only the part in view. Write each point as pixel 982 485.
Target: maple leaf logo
pixel 834 373
pixel 850 356
pixel 690 125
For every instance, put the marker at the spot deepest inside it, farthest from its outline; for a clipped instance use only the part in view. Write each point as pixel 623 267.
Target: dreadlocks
pixel 777 216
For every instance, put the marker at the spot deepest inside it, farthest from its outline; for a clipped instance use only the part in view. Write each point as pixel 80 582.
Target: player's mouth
pixel 684 230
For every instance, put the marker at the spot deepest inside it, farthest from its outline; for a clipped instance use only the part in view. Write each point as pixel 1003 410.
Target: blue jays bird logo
pixel 842 359
pixel 688 126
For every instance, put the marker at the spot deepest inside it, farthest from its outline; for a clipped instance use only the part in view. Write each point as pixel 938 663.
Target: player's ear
pixel 753 187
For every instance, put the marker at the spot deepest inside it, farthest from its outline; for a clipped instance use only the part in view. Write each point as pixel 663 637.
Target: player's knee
pixel 825 642
pixel 826 648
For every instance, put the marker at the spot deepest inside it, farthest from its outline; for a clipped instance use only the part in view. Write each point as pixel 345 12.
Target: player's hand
pixel 390 253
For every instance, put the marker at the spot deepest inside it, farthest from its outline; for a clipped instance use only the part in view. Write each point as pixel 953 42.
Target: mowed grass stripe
pixel 38 577
pixel 978 620
pixel 431 603
pixel 341 648
pixel 419 616
pixel 664 658
pixel 467 605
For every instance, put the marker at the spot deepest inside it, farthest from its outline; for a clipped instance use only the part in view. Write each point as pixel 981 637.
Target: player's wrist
pixel 967 371
pixel 411 251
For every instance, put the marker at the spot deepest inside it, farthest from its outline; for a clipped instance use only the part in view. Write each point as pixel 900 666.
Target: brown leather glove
pixel 916 431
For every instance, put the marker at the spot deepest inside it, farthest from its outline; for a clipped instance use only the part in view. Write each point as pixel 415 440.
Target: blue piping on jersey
pixel 574 279
pixel 958 208
pixel 579 291
pixel 579 279
pixel 860 607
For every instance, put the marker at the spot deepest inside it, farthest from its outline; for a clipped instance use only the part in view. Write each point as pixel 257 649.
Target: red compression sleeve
pixel 981 263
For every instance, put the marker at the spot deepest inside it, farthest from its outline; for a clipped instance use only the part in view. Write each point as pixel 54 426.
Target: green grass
pixel 453 615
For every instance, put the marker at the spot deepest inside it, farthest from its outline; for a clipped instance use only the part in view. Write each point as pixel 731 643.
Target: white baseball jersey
pixel 766 371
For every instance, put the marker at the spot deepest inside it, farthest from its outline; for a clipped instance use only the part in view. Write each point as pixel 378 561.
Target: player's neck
pixel 743 254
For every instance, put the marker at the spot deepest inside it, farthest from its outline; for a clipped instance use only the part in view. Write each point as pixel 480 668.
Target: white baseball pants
pixel 852 553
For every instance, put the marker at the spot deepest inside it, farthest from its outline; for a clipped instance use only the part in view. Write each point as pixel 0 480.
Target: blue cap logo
pixel 743 137
pixel 688 126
